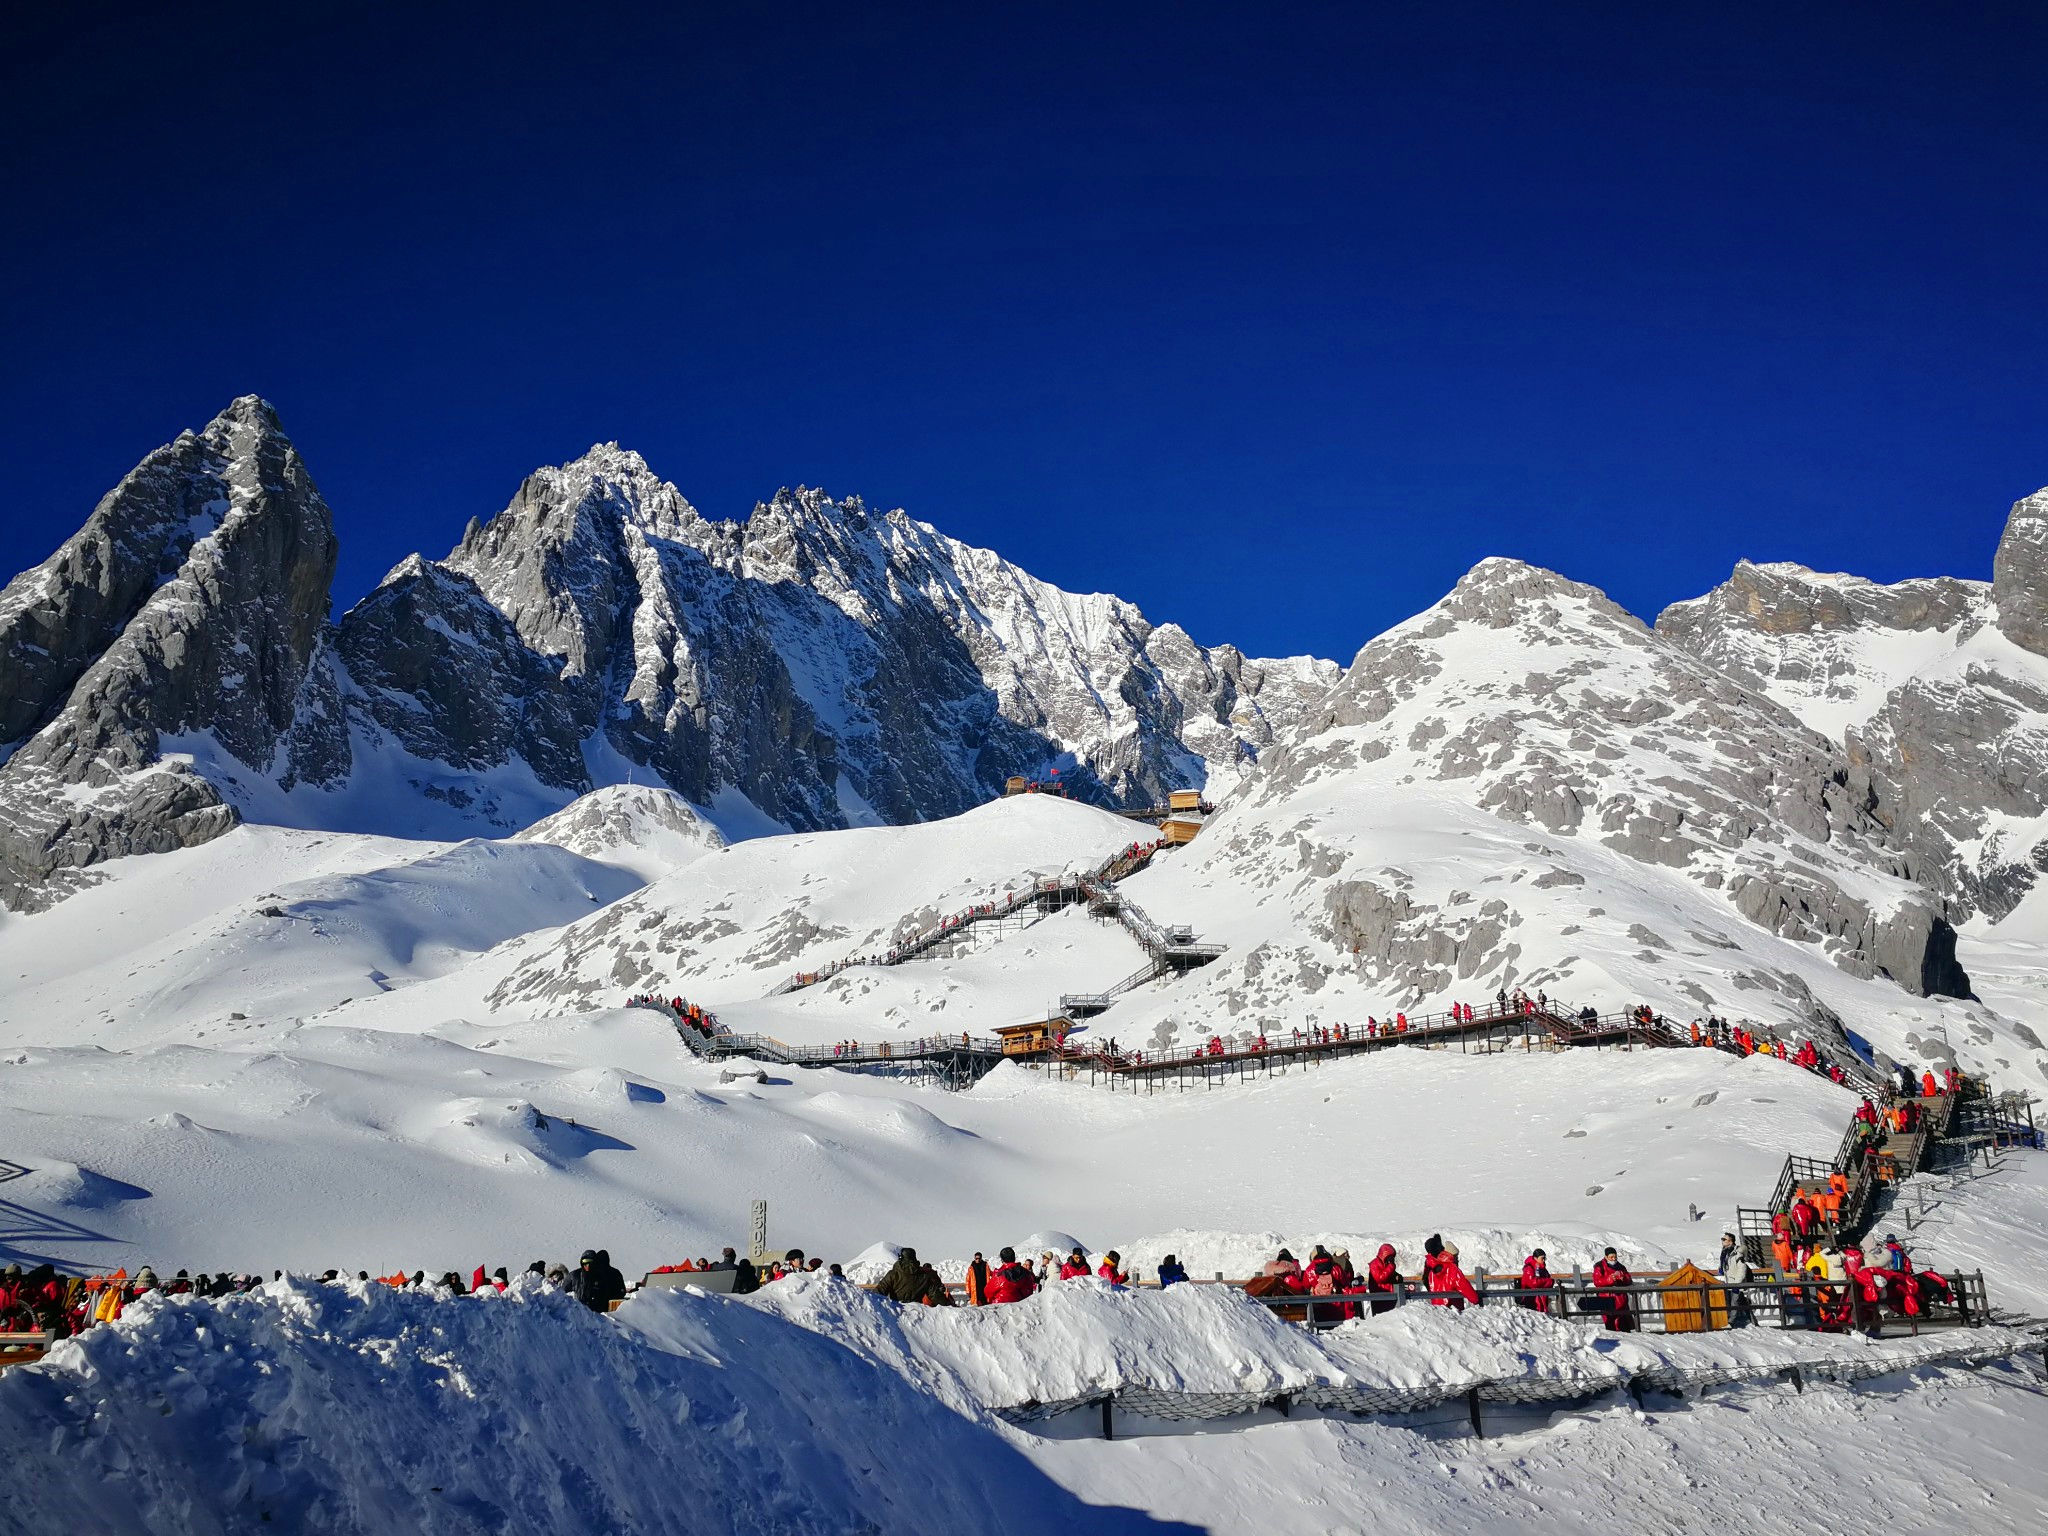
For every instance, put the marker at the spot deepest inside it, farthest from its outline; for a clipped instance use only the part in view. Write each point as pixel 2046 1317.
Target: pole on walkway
pixel 1108 1426
pixel 1472 1408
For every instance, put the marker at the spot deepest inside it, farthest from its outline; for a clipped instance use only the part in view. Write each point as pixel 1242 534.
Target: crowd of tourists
pixel 1838 1287
pixel 693 1015
pixel 41 1300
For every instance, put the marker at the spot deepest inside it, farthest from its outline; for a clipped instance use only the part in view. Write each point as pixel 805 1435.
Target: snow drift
pixel 356 1408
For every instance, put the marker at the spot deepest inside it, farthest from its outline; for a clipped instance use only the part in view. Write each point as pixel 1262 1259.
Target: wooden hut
pixel 1034 1039
pixel 1016 784
pixel 1181 827
pixel 1694 1301
pixel 1184 800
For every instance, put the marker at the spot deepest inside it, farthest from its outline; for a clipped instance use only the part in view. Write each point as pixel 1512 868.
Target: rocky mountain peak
pixel 1542 702
pixel 190 605
pixel 1500 592
pixel 2019 574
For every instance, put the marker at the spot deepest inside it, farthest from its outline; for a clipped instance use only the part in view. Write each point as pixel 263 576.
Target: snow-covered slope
pixel 308 1407
pixel 1524 786
pixel 317 1145
pixel 732 927
pixel 267 925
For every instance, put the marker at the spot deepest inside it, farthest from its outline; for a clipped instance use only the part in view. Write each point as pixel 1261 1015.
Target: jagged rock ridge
pixel 830 664
pixel 819 665
pixel 1937 688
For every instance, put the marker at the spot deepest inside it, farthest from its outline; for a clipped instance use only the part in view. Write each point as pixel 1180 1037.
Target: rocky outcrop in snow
pixel 633 824
pixel 1538 700
pixel 2019 575
pixel 190 605
pixel 1827 647
pixel 1935 687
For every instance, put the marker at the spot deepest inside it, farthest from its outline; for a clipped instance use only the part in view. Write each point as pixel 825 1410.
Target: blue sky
pixel 1272 319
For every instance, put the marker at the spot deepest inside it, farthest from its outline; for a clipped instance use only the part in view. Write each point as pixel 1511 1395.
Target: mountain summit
pixel 191 603
pixel 819 665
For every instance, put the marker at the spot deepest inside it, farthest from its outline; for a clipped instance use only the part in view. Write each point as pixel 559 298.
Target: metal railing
pixel 1652 1305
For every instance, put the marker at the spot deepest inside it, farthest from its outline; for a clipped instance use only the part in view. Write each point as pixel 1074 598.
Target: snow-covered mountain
pixel 1813 774
pixel 1526 786
pixel 170 670
pixel 830 664
pixel 1937 688
pixel 1827 646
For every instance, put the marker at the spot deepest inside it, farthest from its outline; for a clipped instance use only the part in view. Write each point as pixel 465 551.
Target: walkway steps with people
pixel 1033 897
pixel 1869 1162
pixel 954 1061
pixel 1513 1025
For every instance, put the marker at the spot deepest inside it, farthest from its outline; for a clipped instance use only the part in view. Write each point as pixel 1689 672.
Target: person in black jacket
pixel 905 1281
pixel 595 1283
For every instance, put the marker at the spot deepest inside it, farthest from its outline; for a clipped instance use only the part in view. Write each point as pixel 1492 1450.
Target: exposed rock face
pixel 1959 761
pixel 1932 686
pixel 832 664
pixel 2019 575
pixel 1538 700
pixel 1827 647
pixel 190 606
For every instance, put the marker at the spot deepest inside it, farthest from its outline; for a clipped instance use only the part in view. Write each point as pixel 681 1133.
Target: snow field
pixel 1943 1451
pixel 321 1146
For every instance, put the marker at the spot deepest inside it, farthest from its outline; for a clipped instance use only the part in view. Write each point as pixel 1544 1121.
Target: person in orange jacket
pixel 1929 1088
pixel 977 1282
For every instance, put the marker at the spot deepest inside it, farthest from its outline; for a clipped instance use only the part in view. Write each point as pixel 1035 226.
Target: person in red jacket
pixel 1805 1216
pixel 1109 1268
pixel 16 1315
pixel 1383 1278
pixel 1928 1086
pixel 1320 1267
pixel 1610 1274
pixel 1009 1280
pixel 1444 1278
pixel 1536 1277
pixel 1074 1266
